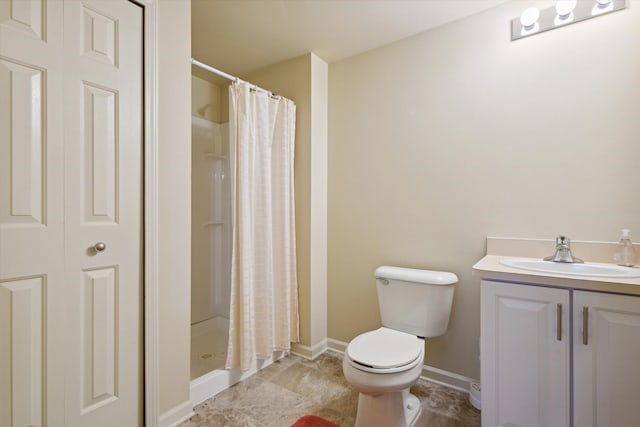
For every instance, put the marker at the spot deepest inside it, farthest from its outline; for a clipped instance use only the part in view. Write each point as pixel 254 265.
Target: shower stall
pixel 211 233
pixel 212 229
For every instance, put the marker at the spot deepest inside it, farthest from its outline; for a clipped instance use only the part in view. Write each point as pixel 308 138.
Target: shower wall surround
pixel 210 225
pixel 210 205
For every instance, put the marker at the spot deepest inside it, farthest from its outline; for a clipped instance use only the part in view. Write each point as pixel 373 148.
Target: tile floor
pixel 292 387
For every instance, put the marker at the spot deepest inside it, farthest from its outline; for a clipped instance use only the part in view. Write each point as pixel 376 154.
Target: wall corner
pixel 318 267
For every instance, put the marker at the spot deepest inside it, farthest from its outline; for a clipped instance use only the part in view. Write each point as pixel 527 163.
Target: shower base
pixel 209 341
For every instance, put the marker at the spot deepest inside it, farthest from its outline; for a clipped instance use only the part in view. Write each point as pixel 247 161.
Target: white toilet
pixel 384 363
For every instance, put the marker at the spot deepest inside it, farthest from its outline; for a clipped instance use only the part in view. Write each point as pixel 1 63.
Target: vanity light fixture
pixel 534 21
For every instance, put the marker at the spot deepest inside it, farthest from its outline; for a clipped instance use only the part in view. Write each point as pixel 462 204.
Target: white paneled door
pixel 70 213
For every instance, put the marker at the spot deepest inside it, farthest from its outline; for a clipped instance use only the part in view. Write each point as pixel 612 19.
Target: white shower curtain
pixel 264 285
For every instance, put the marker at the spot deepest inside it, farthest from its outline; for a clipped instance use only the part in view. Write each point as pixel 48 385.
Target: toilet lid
pixel 385 348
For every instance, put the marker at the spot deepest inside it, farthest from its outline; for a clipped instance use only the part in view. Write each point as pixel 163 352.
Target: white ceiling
pixel 238 36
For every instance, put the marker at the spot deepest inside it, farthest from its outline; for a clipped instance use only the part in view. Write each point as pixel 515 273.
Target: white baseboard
pixel 309 352
pixel 176 415
pixel 446 378
pixel 337 346
pixel 429 373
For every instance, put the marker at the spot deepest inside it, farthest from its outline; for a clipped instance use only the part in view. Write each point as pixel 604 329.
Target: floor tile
pixel 323 388
pixel 293 387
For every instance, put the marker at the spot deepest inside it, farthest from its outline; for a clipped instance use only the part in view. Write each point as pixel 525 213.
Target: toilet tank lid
pixel 429 277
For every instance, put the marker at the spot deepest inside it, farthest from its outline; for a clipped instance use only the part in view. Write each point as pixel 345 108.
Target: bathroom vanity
pixel 558 349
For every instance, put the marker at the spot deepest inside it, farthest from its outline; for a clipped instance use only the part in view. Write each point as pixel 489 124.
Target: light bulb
pixel 565 7
pixel 602 6
pixel 529 21
pixel 564 10
pixel 529 17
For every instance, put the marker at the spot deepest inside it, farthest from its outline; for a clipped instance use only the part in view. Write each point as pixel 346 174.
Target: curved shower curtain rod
pixel 229 76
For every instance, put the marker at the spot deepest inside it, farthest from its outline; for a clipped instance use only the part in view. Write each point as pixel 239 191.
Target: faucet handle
pixel 562 240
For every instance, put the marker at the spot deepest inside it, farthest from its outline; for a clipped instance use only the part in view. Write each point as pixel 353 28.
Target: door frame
pixel 150 194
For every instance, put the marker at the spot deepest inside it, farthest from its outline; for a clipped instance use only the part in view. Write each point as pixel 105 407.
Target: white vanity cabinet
pixel 606 360
pixel 524 355
pixel 541 345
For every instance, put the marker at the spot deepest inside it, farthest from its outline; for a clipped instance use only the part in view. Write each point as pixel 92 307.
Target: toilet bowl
pixel 383 364
pixel 383 377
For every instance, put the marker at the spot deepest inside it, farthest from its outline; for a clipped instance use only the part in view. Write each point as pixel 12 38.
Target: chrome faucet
pixel 563 252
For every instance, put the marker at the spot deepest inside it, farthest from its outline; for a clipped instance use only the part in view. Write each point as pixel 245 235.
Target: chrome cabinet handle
pixel 585 325
pixel 100 246
pixel 559 322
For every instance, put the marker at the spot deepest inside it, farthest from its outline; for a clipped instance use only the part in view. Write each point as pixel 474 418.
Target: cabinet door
pixel 606 359
pixel 524 355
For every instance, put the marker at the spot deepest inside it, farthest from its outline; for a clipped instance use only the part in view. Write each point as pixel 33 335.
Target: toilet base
pixel 395 409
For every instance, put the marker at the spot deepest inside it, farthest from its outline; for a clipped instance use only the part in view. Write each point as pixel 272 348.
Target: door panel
pixel 99 36
pixel 100 337
pixel 103 137
pixel 22 144
pixel 100 164
pixel 31 215
pixel 23 16
pixel 22 335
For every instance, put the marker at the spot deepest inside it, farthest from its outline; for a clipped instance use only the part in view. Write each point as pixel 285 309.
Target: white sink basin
pixel 588 269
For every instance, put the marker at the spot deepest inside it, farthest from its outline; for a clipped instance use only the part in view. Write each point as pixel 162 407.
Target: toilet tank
pixel 417 302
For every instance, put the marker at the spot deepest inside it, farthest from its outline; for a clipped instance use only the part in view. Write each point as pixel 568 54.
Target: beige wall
pixel 174 216
pixel 445 138
pixel 206 100
pixel 292 79
pixel 296 79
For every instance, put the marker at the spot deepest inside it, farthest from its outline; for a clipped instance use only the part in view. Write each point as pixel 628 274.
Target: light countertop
pixel 489 268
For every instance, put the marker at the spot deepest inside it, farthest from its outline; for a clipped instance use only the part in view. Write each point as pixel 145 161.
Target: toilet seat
pixel 385 351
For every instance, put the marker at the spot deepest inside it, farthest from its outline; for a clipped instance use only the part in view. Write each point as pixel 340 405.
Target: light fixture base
pixel 549 18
